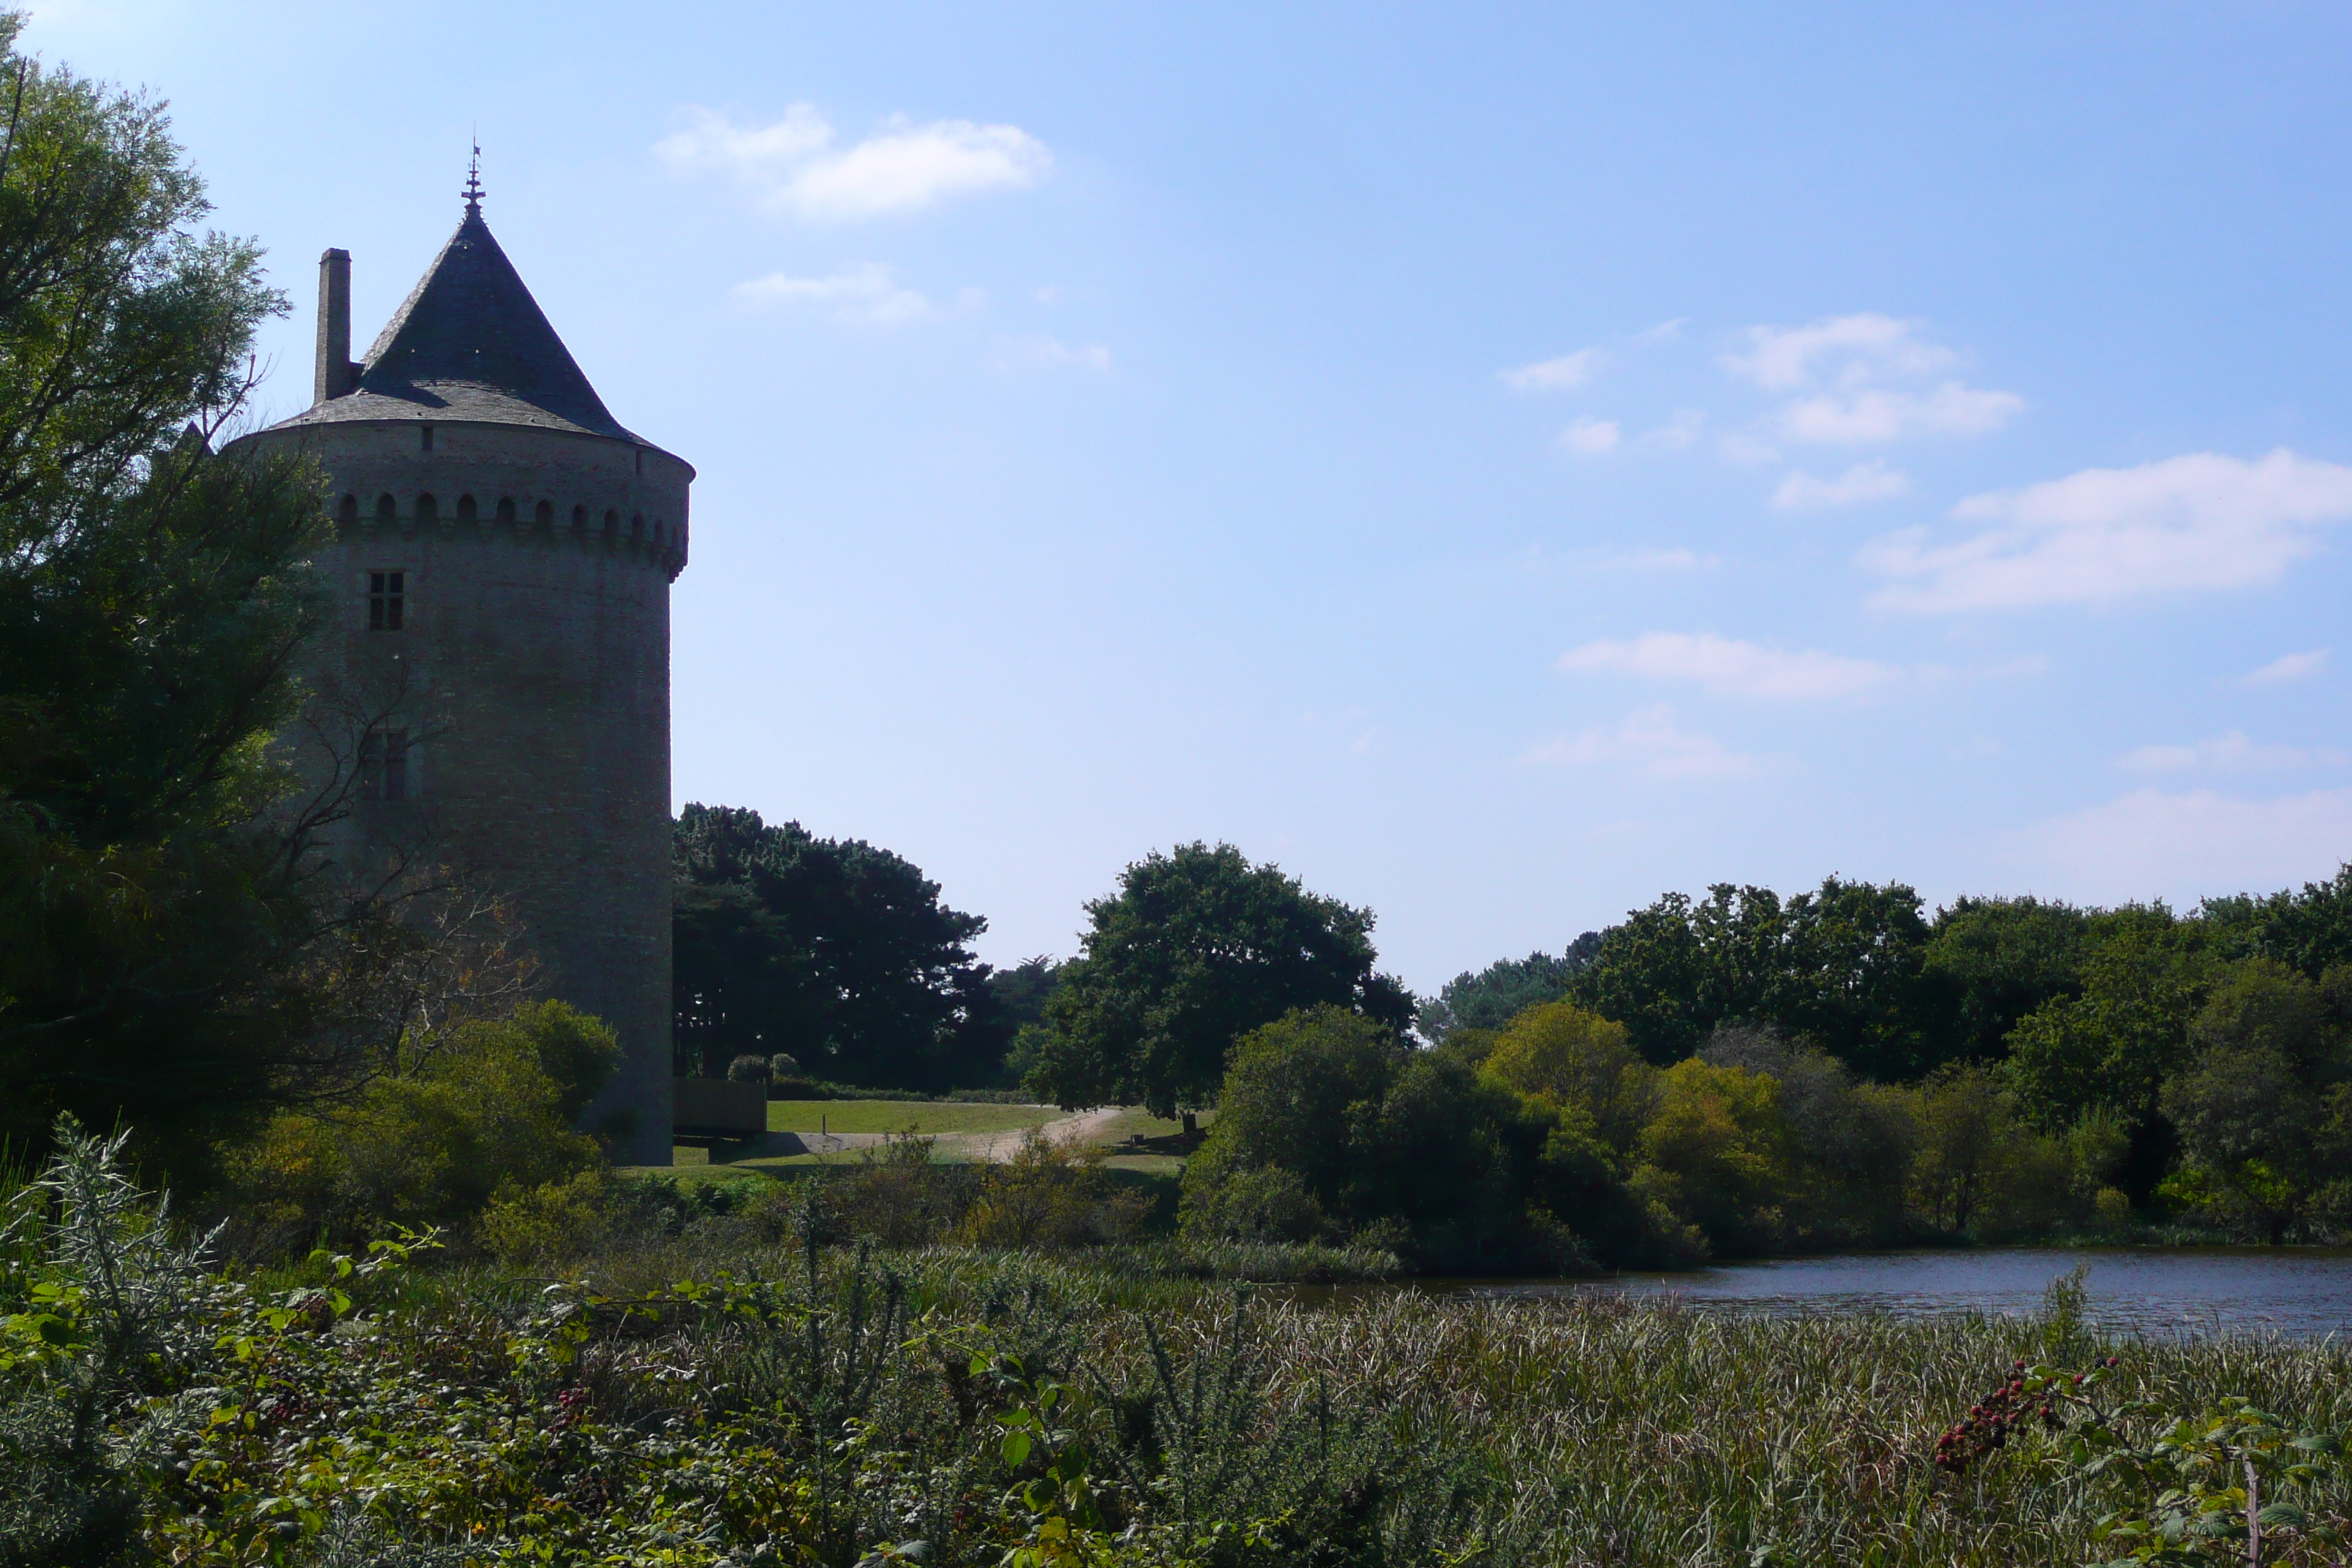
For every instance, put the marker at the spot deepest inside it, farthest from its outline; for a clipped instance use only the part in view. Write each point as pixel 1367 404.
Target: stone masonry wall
pixel 532 674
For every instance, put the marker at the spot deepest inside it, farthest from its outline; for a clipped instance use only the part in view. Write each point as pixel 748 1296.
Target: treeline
pixel 1838 1068
pixel 1743 1074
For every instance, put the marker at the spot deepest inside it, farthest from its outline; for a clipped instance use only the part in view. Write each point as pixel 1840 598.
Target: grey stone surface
pixel 538 540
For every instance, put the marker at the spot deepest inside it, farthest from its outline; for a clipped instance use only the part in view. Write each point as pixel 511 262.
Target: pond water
pixel 2306 1293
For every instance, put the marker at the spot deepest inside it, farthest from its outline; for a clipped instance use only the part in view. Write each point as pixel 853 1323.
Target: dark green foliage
pixel 1503 990
pixel 2310 931
pixel 152 598
pixel 834 951
pixel 1326 1122
pixel 1999 959
pixel 1844 966
pixel 2263 1103
pixel 1197 948
pixel 1022 991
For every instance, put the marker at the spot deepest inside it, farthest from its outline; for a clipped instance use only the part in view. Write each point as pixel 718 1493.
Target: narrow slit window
pixel 387 601
pixel 384 766
pixel 428 439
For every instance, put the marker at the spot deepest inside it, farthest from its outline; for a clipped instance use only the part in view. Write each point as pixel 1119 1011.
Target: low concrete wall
pixel 714 1108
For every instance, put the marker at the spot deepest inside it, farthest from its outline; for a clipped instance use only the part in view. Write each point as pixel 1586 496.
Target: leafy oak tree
pixel 836 951
pixel 1843 966
pixel 1197 948
pixel 1493 996
pixel 154 923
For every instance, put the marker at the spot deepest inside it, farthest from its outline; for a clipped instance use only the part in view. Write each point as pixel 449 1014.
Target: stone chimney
pixel 336 374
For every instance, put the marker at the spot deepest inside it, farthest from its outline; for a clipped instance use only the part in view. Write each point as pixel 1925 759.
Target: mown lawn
pixel 903 1116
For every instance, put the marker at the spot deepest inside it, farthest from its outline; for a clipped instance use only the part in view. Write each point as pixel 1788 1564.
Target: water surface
pixel 2304 1292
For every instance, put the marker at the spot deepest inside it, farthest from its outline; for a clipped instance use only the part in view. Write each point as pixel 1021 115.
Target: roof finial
pixel 473 192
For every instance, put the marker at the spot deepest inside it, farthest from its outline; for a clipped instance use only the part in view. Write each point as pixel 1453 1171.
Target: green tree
pixel 155 922
pixel 1580 1062
pixel 834 951
pixel 1981 1166
pixel 1297 1091
pixel 2251 1104
pixel 1496 994
pixel 2310 931
pixel 1854 979
pixel 1716 1151
pixel 2144 975
pixel 1197 948
pixel 1999 959
pixel 1843 964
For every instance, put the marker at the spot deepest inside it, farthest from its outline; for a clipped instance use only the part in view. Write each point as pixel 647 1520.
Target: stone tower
pixel 501 568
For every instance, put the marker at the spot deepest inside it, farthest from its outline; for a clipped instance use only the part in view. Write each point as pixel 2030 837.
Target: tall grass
pixel 790 1403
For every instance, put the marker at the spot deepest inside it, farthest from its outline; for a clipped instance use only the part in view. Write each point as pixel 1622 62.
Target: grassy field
pixel 902 1115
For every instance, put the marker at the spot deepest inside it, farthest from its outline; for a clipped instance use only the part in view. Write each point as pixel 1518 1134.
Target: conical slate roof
pixel 469 343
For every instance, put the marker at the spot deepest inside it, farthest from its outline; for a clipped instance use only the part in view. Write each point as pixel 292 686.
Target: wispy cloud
pixel 1732 669
pixel 2198 523
pixel 1679 432
pixel 1054 351
pixel 1591 436
pixel 2293 666
pixel 792 165
pixel 1664 332
pixel 1863 482
pixel 1651 744
pixel 1882 413
pixel 1560 375
pixel 2154 843
pixel 866 292
pixel 1782 359
pixel 2230 754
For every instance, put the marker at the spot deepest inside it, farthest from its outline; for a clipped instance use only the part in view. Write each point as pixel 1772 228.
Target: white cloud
pixel 864 292
pixel 1732 669
pixel 1678 433
pixel 2293 666
pixel 1881 414
pixel 2184 846
pixel 2230 754
pixel 1664 332
pixel 2200 521
pixel 1862 482
pixel 1781 359
pixel 792 165
pixel 1652 745
pixel 1054 351
pixel 1591 436
pixel 1748 451
pixel 1556 374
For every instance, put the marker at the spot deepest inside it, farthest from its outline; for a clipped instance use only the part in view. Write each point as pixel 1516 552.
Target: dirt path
pixel 980 1148
pixel 996 1148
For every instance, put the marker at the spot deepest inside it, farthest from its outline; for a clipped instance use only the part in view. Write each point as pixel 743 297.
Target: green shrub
pixel 486 1113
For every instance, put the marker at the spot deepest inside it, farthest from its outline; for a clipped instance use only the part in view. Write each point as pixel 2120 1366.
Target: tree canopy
pixel 1197 948
pixel 1845 965
pixel 1491 998
pixel 154 598
pixel 836 951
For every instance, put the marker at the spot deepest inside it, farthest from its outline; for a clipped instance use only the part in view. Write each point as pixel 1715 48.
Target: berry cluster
pixel 571 1406
pixel 2029 1395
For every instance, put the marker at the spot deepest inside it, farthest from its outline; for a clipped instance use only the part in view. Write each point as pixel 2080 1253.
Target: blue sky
pixel 1500 464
